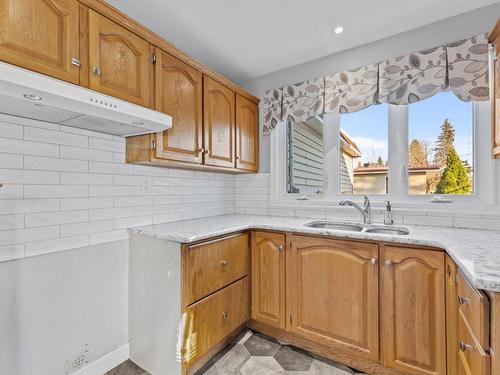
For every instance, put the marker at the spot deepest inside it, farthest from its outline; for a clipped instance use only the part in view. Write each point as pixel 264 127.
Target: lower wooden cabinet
pixel 268 278
pixel 334 293
pixel 413 310
pixel 212 319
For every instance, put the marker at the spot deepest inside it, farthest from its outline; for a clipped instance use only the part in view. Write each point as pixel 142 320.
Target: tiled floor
pixel 255 354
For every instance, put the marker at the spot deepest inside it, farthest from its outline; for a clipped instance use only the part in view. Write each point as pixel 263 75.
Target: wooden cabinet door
pixel 247 134
pixel 334 294
pixel 413 310
pixel 179 94
pixel 451 317
pixel 41 35
pixel 119 61
pixel 218 122
pixel 268 279
pixel 496 96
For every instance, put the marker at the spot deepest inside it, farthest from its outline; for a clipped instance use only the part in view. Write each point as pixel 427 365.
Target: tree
pixel 454 179
pixel 444 143
pixel 417 154
pixel 380 161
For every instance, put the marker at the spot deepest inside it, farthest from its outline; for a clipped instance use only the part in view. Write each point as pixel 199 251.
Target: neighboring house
pixel 373 179
pixel 305 159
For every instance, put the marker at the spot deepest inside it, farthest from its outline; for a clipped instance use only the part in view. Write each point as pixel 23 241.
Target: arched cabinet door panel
pixel 119 61
pixel 247 134
pixel 219 124
pixel 413 314
pixel 268 278
pixel 335 294
pixel 179 93
pixel 41 35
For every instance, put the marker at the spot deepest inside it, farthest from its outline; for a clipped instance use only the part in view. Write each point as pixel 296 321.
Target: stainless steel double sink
pixel 353 227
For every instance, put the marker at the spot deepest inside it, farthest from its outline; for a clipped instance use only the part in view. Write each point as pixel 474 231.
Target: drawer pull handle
pixel 463 300
pixel 223 263
pixel 464 347
pixel 373 261
pixel 96 70
pixel 281 247
pixel 224 315
pixel 388 263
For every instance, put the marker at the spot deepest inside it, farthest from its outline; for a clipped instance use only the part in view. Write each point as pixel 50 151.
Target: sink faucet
pixel 365 210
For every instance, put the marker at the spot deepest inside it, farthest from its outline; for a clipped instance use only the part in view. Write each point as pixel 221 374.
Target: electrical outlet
pixel 77 361
pixel 145 186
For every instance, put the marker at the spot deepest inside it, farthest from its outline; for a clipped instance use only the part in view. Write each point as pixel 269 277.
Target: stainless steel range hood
pixel 31 95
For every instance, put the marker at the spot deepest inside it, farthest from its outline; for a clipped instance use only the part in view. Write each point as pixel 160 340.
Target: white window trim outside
pixel 483 198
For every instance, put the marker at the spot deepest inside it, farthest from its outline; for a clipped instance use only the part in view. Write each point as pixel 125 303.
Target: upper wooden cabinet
pixel 41 35
pixel 119 61
pixel 413 314
pixel 247 134
pixel 334 291
pixel 218 123
pixel 179 92
pixel 495 40
pixel 268 278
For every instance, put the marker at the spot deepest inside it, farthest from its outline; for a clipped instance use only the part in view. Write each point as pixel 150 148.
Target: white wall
pixel 451 29
pixel 52 305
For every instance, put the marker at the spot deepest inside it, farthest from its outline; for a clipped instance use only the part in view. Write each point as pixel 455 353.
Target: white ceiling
pixel 246 39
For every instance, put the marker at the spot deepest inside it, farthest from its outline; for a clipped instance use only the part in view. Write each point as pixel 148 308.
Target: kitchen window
pixel 441 146
pixel 386 141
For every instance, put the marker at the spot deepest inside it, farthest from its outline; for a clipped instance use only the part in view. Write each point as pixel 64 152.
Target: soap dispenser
pixel 388 220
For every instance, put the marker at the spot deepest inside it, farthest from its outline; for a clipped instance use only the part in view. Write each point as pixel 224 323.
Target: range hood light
pixel 138 123
pixel 32 97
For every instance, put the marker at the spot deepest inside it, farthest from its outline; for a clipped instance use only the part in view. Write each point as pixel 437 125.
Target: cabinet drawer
pixel 212 319
pixel 472 358
pixel 474 305
pixel 212 265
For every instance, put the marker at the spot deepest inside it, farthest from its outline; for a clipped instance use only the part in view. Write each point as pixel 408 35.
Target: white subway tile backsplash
pixel 54 218
pixel 11 161
pixel 17 146
pixel 55 191
pixel 17 236
pixel 11 222
pixel 78 153
pixel 68 204
pixel 67 188
pixel 11 130
pixel 57 137
pixel 70 230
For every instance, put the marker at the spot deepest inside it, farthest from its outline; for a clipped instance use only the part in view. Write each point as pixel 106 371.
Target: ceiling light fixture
pixel 338 29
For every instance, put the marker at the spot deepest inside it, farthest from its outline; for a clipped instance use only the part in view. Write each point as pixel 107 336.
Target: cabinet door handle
pixel 373 261
pixel 75 62
pixel 223 262
pixel 96 70
pixel 201 150
pixel 207 152
pixel 464 347
pixel 237 158
pixel 463 300
pixel 388 263
pixel 281 247
pixel 224 315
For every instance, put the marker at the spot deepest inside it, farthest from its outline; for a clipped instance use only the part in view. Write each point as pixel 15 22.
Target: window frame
pixel 398 122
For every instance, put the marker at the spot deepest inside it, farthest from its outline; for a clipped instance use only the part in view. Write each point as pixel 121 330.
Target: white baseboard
pixel 106 362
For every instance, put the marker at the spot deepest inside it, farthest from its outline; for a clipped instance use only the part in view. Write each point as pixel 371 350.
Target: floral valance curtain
pixel 303 100
pixel 352 90
pixel 461 66
pixel 414 77
pixel 272 109
pixel 468 68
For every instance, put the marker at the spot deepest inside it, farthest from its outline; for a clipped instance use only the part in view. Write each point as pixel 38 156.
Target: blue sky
pixel 368 128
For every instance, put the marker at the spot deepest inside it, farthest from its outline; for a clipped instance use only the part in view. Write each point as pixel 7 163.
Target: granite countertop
pixel 476 252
